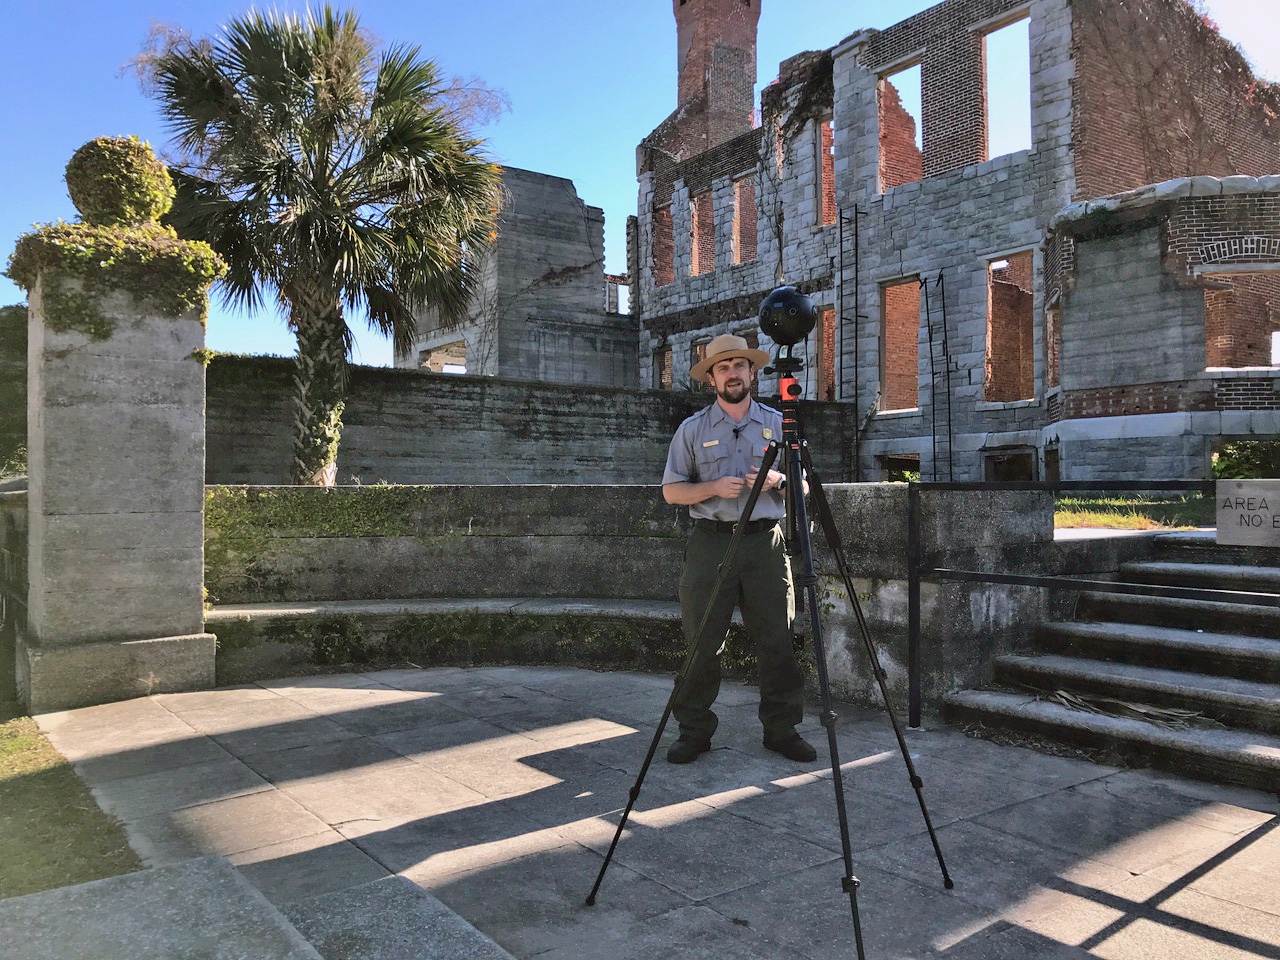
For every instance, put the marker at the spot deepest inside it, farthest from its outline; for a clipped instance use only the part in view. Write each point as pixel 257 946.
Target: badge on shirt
pixel 711 443
pixel 768 434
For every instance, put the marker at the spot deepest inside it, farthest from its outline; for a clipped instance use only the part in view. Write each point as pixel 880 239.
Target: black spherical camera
pixel 787 316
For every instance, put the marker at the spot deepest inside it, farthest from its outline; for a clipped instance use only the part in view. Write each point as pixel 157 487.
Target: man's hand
pixel 772 480
pixel 729 487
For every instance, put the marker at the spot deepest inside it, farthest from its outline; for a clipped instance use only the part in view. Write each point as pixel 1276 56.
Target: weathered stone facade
pixel 1019 337
pixel 544 309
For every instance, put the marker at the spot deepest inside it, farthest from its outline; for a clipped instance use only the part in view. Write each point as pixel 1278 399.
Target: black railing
pixel 917 572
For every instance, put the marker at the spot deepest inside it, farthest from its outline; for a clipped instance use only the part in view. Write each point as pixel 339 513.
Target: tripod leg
pixel 807 581
pixel 833 541
pixel 725 566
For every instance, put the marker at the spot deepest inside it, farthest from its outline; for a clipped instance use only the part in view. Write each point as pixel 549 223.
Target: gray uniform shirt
pixel 706 448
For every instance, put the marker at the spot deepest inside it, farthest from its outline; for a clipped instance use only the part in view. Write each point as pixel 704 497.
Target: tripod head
pixel 787 316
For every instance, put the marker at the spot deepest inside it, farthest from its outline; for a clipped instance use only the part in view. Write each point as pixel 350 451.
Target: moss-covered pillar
pixel 115 441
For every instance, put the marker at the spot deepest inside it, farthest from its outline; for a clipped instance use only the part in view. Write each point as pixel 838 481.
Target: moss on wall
pixel 121 190
pixel 255 649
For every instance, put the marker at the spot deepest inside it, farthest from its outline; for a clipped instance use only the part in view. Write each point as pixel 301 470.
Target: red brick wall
pixel 900 159
pixel 744 220
pixel 1053 347
pixel 953 90
pixel 664 254
pixel 1138 398
pixel 1251 394
pixel 704 234
pixel 900 347
pixel 716 41
pixel 1240 312
pixel 1010 363
pixel 826 336
pixel 827 173
pixel 1159 94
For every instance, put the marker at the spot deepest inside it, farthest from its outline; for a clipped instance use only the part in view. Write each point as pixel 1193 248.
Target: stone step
pixel 1196 651
pixel 1201 546
pixel 1250 759
pixel 1242 703
pixel 1211 576
pixel 1248 619
pixel 389 919
pixel 196 908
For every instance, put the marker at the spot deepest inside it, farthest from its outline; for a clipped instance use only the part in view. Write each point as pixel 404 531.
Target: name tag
pixel 711 443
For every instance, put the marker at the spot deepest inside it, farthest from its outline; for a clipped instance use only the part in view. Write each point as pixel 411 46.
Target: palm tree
pixel 330 175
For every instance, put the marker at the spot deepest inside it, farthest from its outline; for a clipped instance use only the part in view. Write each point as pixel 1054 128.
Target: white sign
pixel 1249 512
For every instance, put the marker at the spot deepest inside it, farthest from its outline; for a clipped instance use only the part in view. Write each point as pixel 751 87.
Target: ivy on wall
pixel 121 191
pixel 13 391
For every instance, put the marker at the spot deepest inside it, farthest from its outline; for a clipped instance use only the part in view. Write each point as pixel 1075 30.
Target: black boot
pixel 687 749
pixel 792 746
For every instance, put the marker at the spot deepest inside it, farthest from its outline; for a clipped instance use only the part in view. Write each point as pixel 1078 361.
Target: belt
pixel 726 526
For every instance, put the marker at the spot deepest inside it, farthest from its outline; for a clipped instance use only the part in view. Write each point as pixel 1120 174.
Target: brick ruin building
pixel 1103 304
pixel 544 309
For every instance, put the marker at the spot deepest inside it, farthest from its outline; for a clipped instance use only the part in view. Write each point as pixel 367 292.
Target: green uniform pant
pixel 759 584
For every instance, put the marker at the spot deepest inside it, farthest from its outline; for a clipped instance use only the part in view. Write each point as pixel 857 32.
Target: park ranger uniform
pixel 707 446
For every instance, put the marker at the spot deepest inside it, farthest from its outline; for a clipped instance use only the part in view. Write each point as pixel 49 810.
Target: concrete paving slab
pixel 200 908
pixel 738 853
pixel 307 867
pixel 389 919
pixel 390 795
pixel 1120 834
pixel 223 827
pixel 1012 878
pixel 537 903
pixel 337 757
pixel 132 798
pixel 731 852
pixel 461 841
pixel 139 759
pixel 223 697
pixel 807 914
pixel 690 933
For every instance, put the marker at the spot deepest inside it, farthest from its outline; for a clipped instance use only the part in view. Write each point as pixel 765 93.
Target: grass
pixel 1135 513
pixel 52 832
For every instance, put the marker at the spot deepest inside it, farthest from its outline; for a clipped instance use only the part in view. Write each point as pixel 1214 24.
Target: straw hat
pixel 726 347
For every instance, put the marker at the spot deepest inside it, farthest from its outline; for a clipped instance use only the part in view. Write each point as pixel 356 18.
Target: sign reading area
pixel 1249 512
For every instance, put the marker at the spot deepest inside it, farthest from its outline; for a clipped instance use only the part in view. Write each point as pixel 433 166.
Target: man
pixel 712 464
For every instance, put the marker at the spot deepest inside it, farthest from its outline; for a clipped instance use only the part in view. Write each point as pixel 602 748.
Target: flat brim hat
pixel 726 347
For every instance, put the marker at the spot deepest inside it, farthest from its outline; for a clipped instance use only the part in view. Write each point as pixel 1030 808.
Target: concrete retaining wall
pixel 614 542
pixel 413 428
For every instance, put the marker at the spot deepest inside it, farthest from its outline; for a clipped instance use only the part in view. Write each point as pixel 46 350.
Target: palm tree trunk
pixel 319 392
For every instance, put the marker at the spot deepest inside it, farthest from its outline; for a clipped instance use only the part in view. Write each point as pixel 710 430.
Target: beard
pixel 734 391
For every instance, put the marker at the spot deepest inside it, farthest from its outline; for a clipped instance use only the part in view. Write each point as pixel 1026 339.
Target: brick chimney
pixel 717 50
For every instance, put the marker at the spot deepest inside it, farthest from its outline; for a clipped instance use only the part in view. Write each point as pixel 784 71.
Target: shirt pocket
pixel 712 462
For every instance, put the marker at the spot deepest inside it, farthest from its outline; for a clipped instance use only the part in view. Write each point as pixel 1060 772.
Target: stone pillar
pixel 115 400
pixel 116 497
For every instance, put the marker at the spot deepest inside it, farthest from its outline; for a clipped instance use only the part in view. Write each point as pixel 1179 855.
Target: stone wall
pixel 620 542
pixel 540 310
pixel 409 427
pixel 13 386
pixel 13 584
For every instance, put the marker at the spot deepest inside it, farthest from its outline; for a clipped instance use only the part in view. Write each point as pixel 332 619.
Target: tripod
pixel 796 466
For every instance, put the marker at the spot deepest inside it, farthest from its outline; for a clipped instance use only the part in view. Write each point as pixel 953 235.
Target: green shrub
pixel 1247 460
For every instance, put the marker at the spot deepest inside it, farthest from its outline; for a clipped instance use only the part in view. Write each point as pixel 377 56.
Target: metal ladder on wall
pixel 939 375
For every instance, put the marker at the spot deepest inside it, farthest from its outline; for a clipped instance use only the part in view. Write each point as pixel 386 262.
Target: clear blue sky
pixel 587 80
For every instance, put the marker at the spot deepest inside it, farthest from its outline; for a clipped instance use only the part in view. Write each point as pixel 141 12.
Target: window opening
pixel 1010 364
pixel 617 293
pixel 1053 347
pixel 826 173
pixel 1009 466
pixel 1241 319
pixel 1006 58
pixel 448 358
pixel 826 340
pixel 900 345
pixel 697 352
pixel 703 225
pixel 901 467
pixel 662 378
pixel 901 130
pixel 664 260
pixel 744 220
